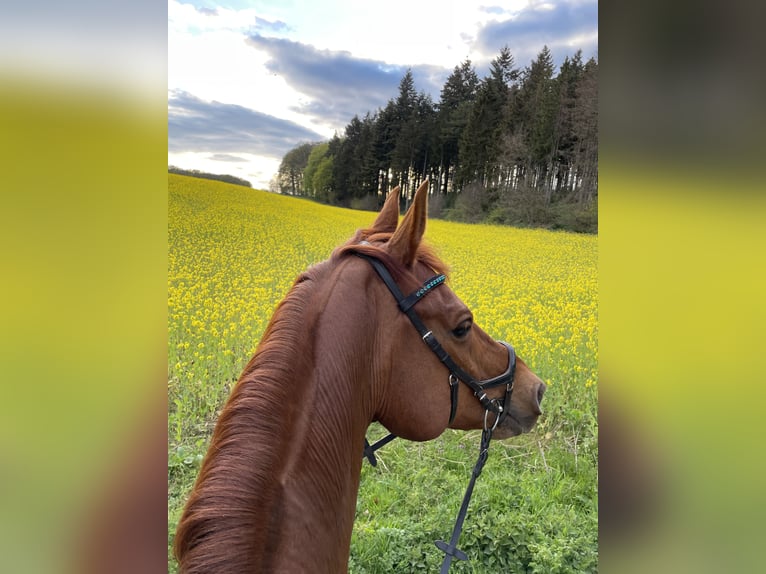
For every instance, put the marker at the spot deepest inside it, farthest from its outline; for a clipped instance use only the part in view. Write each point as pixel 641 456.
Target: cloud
pixel 564 27
pixel 275 27
pixel 206 11
pixel 195 125
pixel 227 157
pixel 492 9
pixel 338 84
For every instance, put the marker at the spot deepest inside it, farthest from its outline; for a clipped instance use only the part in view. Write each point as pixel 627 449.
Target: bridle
pixel 456 375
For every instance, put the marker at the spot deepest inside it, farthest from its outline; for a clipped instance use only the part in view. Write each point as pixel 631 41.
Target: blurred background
pixel 83 230
pixel 681 286
pixel 83 110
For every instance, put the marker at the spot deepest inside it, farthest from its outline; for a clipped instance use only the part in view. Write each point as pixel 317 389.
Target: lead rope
pixel 451 550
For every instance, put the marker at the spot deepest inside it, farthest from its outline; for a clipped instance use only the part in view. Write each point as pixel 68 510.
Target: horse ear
pixel 388 218
pixel 405 241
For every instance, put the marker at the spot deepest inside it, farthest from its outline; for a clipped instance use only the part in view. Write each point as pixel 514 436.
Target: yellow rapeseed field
pixel 234 252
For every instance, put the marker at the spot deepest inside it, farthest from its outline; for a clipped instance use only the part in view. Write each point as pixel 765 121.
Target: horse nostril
pixel 540 392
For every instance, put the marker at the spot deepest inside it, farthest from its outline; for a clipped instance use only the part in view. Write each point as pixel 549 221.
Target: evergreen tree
pixel 383 142
pixel 404 129
pixel 540 99
pixel 564 138
pixel 586 134
pixel 480 142
pixel 457 98
pixel 369 167
pixel 426 159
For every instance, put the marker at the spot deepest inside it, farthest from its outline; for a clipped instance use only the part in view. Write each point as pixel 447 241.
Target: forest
pixel 517 147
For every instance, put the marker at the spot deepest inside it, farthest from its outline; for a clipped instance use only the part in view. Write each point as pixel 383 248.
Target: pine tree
pixel 405 129
pixel 480 142
pixel 564 138
pixel 457 98
pixel 535 110
pixel 585 162
pixel 383 142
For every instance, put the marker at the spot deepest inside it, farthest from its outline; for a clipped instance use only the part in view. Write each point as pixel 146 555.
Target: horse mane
pixel 236 481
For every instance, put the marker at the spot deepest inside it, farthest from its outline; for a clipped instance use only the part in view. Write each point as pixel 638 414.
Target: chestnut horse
pixel 277 489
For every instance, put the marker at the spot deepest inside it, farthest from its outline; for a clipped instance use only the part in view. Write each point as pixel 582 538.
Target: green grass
pixel 233 253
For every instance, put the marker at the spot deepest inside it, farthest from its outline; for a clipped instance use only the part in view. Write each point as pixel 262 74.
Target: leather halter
pixel 406 305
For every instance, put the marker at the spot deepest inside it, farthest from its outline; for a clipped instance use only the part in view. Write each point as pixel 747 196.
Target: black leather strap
pixel 407 303
pixel 454 387
pixel 369 450
pixel 451 550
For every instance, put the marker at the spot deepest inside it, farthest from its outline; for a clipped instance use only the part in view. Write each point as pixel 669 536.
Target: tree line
pixel 205 175
pixel 519 146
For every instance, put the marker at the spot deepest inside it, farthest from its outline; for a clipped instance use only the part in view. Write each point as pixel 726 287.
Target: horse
pixel 277 489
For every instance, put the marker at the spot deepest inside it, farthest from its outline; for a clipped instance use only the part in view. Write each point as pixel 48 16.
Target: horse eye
pixel 462 330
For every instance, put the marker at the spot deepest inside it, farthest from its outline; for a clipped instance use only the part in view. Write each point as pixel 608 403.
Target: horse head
pixel 413 385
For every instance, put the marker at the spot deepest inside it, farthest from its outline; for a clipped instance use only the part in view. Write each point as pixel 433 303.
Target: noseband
pixel 456 374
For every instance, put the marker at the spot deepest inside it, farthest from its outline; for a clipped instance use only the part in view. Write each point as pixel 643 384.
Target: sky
pixel 248 80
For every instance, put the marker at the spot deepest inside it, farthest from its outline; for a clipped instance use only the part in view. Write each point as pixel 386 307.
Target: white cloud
pixel 400 32
pixel 187 18
pixel 209 58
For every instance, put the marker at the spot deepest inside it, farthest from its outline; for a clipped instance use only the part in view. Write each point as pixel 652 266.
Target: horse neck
pixel 277 491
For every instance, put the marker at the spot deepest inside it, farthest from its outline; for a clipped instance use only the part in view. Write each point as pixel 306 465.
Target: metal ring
pixel 494 426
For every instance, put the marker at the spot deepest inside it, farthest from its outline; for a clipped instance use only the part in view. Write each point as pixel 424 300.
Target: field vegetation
pixel 233 254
